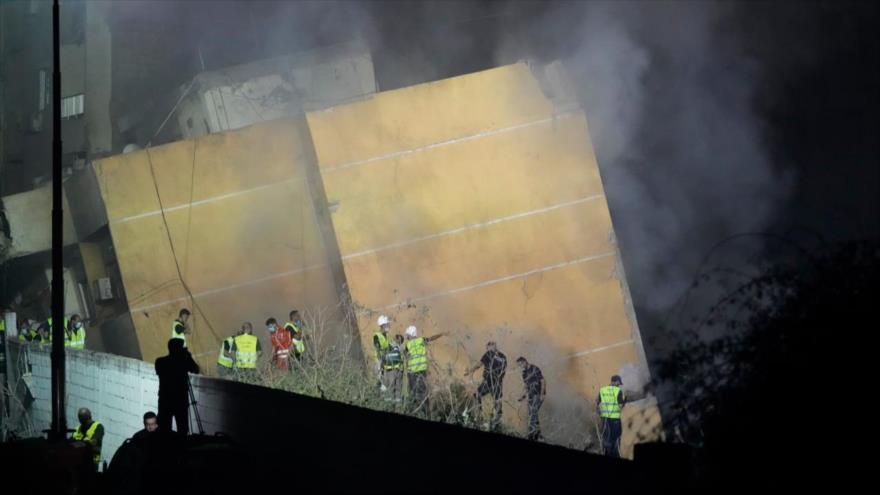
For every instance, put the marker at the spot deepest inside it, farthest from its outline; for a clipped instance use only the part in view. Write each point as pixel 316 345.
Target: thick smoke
pixel 669 94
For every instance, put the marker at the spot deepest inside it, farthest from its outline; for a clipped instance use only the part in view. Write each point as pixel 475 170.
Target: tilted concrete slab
pixel 473 205
pixel 242 230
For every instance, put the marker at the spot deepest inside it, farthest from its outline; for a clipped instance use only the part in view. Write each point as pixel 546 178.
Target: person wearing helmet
pixel 417 367
pixel 381 343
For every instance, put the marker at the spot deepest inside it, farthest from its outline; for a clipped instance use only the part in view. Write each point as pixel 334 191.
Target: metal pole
pixel 59 423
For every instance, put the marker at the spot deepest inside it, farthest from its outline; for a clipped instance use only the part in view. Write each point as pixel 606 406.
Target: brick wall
pixel 116 389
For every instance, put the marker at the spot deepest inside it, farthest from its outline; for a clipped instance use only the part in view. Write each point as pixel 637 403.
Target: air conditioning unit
pixel 105 289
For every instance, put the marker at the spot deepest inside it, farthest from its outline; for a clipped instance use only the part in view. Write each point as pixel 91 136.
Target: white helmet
pixel 383 320
pixel 411 331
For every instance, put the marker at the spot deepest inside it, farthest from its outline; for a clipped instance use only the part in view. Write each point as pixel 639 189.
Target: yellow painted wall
pixel 474 200
pixel 248 246
pixel 470 205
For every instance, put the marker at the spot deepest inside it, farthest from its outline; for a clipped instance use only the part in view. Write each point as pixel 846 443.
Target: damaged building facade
pixel 471 205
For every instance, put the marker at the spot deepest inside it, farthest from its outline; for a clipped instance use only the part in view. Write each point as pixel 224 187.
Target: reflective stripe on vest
pixel 67 340
pixel 608 405
pixel 90 433
pixel 223 359
pixel 78 338
pixel 246 351
pixel 383 345
pixel 81 338
pixel 393 359
pixel 418 355
pixel 291 327
pixel 175 335
pixel 299 345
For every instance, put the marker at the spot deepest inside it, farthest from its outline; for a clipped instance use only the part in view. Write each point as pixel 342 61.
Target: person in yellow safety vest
pixel 381 344
pixel 179 328
pixel 75 335
pixel 46 337
pixel 225 360
pixel 392 366
pixel 29 331
pixel 417 367
pixel 609 403
pixel 295 327
pixel 90 432
pixel 246 350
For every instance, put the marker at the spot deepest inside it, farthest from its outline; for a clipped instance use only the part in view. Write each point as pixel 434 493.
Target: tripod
pixel 193 403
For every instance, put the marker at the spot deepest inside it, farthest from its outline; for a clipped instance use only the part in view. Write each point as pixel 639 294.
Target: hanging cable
pixel 189 293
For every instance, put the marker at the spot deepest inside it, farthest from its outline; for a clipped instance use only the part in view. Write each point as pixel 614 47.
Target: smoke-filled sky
pixel 709 119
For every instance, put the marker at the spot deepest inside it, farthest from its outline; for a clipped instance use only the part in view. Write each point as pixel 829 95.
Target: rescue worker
pixel 246 350
pixel 297 330
pixel 46 337
pixel 380 343
pixel 173 371
pixel 535 391
pixel 45 332
pixel 76 333
pixel 179 327
pixel 281 341
pixel 293 324
pixel 392 365
pixel 417 366
pixel 90 432
pixel 494 364
pixel 609 404
pixel 299 344
pixel 29 331
pixel 225 358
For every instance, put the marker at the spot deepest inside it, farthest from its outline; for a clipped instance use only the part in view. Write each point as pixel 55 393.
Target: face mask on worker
pixel 77 325
pixel 271 328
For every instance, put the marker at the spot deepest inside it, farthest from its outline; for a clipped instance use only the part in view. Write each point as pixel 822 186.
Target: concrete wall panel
pixel 473 205
pixel 242 227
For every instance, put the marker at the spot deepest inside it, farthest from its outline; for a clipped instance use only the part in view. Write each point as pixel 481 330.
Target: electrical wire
pixel 183 283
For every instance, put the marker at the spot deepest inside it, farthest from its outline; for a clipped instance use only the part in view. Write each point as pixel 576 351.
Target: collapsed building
pixel 472 205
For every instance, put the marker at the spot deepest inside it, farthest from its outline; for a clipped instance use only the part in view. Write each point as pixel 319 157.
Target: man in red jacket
pixel 281 343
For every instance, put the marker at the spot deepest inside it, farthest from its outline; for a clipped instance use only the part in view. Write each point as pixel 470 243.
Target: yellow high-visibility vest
pixel 417 353
pixel 608 405
pixel 393 359
pixel 67 340
pixel 89 434
pixel 245 351
pixel 223 359
pixel 383 345
pixel 78 338
pixel 174 334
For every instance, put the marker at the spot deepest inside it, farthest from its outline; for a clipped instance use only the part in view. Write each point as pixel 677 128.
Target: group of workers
pixel 407 353
pixel 394 355
pixel 239 353
pixel 41 332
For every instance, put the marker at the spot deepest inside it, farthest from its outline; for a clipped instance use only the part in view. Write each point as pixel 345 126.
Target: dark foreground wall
pixel 333 446
pixel 311 444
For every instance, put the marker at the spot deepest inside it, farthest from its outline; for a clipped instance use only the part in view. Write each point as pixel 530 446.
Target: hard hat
pixel 383 320
pixel 411 331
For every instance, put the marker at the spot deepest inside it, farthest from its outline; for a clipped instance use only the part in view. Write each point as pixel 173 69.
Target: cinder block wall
pixel 346 444
pixel 118 391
